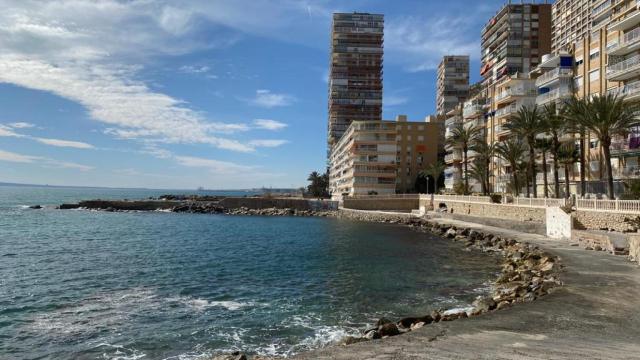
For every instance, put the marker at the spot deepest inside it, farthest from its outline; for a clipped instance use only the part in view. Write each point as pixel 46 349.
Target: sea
pixel 80 284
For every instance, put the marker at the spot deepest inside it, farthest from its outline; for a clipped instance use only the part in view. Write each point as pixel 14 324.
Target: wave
pixel 203 304
pixel 119 352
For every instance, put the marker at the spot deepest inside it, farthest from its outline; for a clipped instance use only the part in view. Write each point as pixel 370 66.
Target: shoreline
pixel 527 272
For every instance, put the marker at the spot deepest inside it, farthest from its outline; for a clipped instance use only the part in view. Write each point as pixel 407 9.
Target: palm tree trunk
pixel 488 177
pixel 526 182
pixel 606 149
pixel 566 181
pixel 583 159
pixel 544 171
pixel 556 176
pixel 532 169
pixel 515 182
pixel 466 173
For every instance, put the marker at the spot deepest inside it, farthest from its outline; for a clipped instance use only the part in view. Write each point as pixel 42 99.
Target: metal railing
pixel 507 110
pixel 552 75
pixel 628 39
pixel 538 202
pixel 623 66
pixel 459 198
pixel 552 95
pixel 385 196
pixel 621 206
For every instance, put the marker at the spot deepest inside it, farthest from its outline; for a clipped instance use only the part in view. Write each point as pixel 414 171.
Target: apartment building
pixel 383 157
pixel 571 23
pixel 453 157
pixel 511 94
pixel 514 40
pixel 452 82
pixel 355 79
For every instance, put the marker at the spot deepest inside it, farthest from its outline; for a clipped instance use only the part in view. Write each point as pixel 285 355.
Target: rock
pixel 372 335
pixel 389 329
pixel 484 304
pixel 407 322
pixel 382 321
pixel 36 207
pixel 435 315
pixel 588 248
pixel 353 340
pixel 502 305
pixel 451 233
pixel 417 325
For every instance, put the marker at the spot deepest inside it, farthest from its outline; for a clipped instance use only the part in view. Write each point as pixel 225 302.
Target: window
pixel 594 75
pixel 577 82
pixel 420 138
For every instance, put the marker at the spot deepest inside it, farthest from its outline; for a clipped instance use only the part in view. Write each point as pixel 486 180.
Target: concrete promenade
pixel 595 315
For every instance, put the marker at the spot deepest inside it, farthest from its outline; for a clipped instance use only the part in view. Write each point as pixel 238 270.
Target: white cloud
pixel 21 125
pixel 6 131
pixel 64 143
pixel 265 98
pixel 269 124
pixel 194 69
pixel 267 143
pixel 43 161
pixel 216 166
pixel 17 158
pixel 419 43
pixel 394 100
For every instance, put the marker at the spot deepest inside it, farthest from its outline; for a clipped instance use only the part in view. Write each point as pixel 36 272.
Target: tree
pixel 462 138
pixel 479 171
pixel 544 145
pixel 319 184
pixel 567 156
pixel 607 116
pixel 555 126
pixel 485 153
pixel 512 152
pixel 527 124
pixel 576 115
pixel 434 170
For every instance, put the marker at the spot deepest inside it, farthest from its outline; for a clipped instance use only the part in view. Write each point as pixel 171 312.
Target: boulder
pixel 35 207
pixel 389 329
pixel 372 335
pixel 417 325
pixel 353 340
pixel 451 233
pixel 382 321
pixel 484 304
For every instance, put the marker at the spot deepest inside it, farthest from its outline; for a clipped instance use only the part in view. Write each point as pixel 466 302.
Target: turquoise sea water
pixel 97 285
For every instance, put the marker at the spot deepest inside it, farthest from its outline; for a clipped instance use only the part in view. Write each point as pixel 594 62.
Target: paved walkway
pixel 595 315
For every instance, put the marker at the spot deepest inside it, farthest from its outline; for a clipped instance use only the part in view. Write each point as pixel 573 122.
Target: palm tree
pixel 554 124
pixel 463 137
pixel 434 170
pixel 512 152
pixel 576 114
pixel 567 156
pixel 527 125
pixel 485 153
pixel 479 170
pixel 609 117
pixel 544 145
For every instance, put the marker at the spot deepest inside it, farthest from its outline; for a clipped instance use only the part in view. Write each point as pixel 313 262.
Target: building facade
pixel 382 157
pixel 355 79
pixel 452 83
pixel 571 23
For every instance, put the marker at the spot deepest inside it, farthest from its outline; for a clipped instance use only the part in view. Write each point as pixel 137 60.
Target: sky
pixel 223 94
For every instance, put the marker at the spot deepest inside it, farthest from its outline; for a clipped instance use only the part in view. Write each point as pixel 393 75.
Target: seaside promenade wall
pixel 279 203
pixel 389 204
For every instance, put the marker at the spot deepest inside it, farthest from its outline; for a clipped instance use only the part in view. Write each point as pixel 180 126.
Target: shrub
pixel 496 198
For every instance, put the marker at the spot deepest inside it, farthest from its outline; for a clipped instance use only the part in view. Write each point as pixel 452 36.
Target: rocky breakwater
pixel 527 273
pixel 214 208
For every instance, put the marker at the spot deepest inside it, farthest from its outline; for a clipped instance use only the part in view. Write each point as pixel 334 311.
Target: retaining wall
pixel 498 211
pixel 279 203
pixel 603 220
pixel 366 215
pixel 382 204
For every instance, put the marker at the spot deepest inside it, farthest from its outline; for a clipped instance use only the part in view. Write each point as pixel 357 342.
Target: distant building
pixel 383 157
pixel 355 80
pixel 571 23
pixel 452 83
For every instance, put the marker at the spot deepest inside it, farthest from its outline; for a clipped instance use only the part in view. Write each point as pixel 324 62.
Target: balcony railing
pixel 454 156
pixel 507 110
pixel 452 121
pixel 515 92
pixel 553 95
pixel 630 38
pixel 601 8
pixel 623 66
pixel 553 75
pixel 472 109
pixel 626 90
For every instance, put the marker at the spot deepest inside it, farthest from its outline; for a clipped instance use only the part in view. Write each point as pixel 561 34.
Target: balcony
pixel 500 130
pixel 553 75
pixel 627 172
pixel 453 157
pixel 509 94
pixel 630 42
pixel 630 91
pixel 473 109
pixel 601 10
pixel 452 121
pixel 506 111
pixel 553 95
pixel 626 23
pixel 624 70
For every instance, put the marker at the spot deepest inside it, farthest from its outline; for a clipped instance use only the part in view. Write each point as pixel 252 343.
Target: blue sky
pixel 180 94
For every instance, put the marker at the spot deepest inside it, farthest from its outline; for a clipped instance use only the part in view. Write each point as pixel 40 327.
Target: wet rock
pixel 382 321
pixel 484 304
pixel 417 325
pixel 502 305
pixel 372 335
pixel 353 340
pixel 451 233
pixel 35 207
pixel 389 329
